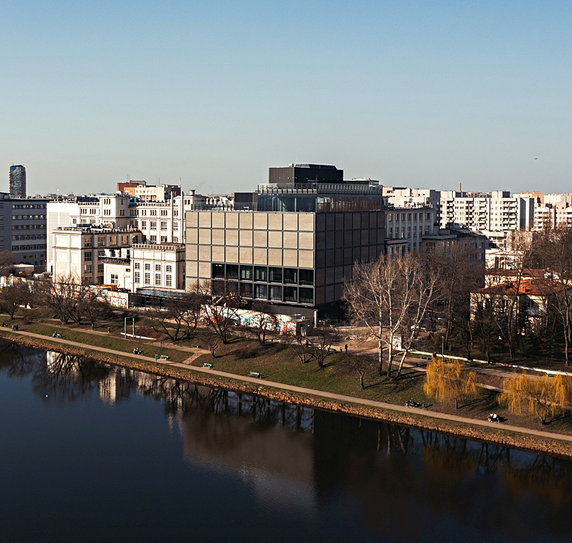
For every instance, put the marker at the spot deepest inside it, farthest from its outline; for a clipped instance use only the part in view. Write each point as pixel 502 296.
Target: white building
pixel 158 266
pixel 496 211
pixel 410 197
pixel 79 251
pixel 406 226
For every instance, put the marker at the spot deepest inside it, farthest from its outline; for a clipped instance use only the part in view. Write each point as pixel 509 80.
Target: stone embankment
pixel 510 436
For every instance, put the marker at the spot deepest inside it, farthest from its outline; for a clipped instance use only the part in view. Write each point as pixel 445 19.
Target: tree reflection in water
pixel 386 472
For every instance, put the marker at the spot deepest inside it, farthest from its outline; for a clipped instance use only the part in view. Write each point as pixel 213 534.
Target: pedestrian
pixel 346 347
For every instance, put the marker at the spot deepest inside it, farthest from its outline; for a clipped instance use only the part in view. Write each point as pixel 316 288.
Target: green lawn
pixel 109 341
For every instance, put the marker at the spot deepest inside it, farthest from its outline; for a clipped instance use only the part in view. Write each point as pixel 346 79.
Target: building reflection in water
pixel 293 457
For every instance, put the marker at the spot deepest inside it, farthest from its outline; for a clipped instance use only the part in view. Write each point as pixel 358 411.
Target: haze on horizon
pixel 423 94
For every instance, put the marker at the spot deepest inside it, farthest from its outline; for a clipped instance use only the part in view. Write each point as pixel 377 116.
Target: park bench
pixel 256 374
pixel 164 357
pixel 207 365
pixel 195 346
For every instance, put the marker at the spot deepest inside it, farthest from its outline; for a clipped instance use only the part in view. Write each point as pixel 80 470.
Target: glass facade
pixel 275 284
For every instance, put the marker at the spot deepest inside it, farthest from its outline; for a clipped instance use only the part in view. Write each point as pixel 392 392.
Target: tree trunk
pixel 405 353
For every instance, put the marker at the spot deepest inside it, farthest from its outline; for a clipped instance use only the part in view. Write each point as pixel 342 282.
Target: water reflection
pixel 395 480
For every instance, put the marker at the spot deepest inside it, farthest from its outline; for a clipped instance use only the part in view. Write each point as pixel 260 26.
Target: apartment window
pixel 137 277
pixel 175 225
pixel 157 267
pixel 143 224
pixel 114 279
pixel 157 278
pixel 163 239
pixel 163 225
pixel 153 239
pixel 147 278
pixel 147 267
pixel 168 268
pixel 164 212
pixel 87 257
pixel 107 211
pixel 153 213
pixel 168 280
pixel 152 224
pixel 100 267
pixel 137 266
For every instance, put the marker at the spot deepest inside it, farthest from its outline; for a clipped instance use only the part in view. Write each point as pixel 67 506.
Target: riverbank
pixel 507 435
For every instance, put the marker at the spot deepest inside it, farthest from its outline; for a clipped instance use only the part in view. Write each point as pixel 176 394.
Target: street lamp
pixel 125 326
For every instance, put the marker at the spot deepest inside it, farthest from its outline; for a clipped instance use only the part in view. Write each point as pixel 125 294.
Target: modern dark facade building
pixel 297 244
pixel 17 181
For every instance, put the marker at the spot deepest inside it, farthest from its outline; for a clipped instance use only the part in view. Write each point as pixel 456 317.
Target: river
pixel 91 452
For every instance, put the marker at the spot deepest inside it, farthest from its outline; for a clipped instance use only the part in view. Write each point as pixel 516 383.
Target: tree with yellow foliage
pixel 542 397
pixel 446 381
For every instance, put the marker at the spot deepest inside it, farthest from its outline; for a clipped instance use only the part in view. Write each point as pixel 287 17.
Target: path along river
pixel 91 452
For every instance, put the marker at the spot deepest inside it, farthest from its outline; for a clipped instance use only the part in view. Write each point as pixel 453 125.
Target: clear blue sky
pixel 423 93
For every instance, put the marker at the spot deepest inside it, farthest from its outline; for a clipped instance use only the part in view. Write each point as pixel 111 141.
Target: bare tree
pixel 321 342
pixel 302 348
pixel 6 263
pixel 217 307
pixel 265 323
pixel 14 296
pixel 391 297
pixel 64 296
pixel 179 318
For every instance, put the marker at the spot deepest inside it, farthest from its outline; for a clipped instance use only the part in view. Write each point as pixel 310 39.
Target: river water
pixel 90 452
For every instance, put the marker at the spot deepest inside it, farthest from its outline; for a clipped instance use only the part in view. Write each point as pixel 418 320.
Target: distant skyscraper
pixel 17 181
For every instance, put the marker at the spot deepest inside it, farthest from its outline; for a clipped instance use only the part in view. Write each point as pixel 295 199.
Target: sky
pixel 212 93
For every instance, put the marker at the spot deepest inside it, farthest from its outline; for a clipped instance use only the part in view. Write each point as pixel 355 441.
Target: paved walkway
pixel 301 390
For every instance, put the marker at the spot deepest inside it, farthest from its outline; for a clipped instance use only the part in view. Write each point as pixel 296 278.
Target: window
pixel 87 256
pixel 291 276
pixel 153 213
pixel 260 273
pixel 246 273
pixel 290 294
pixel 152 224
pixel 306 296
pixel 306 277
pixel 143 224
pixel 157 267
pixel 137 277
pixel 163 225
pixel 231 271
pixel 147 278
pixel 147 267
pixel 218 271
pixel 137 266
pixel 276 293
pixel 157 278
pixel 275 275
pixel 164 212
pixel 175 226
pixel 107 211
pixel 114 279
pixel 261 292
pixel 168 268
pixel 168 280
pixel 152 239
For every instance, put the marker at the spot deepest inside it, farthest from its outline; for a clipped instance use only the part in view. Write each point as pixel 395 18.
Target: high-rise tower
pixel 17 181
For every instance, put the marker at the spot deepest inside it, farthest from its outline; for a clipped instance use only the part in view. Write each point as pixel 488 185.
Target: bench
pixel 207 365
pixel 195 346
pixel 256 374
pixel 164 357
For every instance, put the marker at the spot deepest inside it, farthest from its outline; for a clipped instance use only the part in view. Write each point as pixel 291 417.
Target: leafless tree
pixel 64 296
pixel 391 296
pixel 321 341
pixel 14 296
pixel 264 323
pixel 6 263
pixel 217 307
pixel 179 318
pixel 302 348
